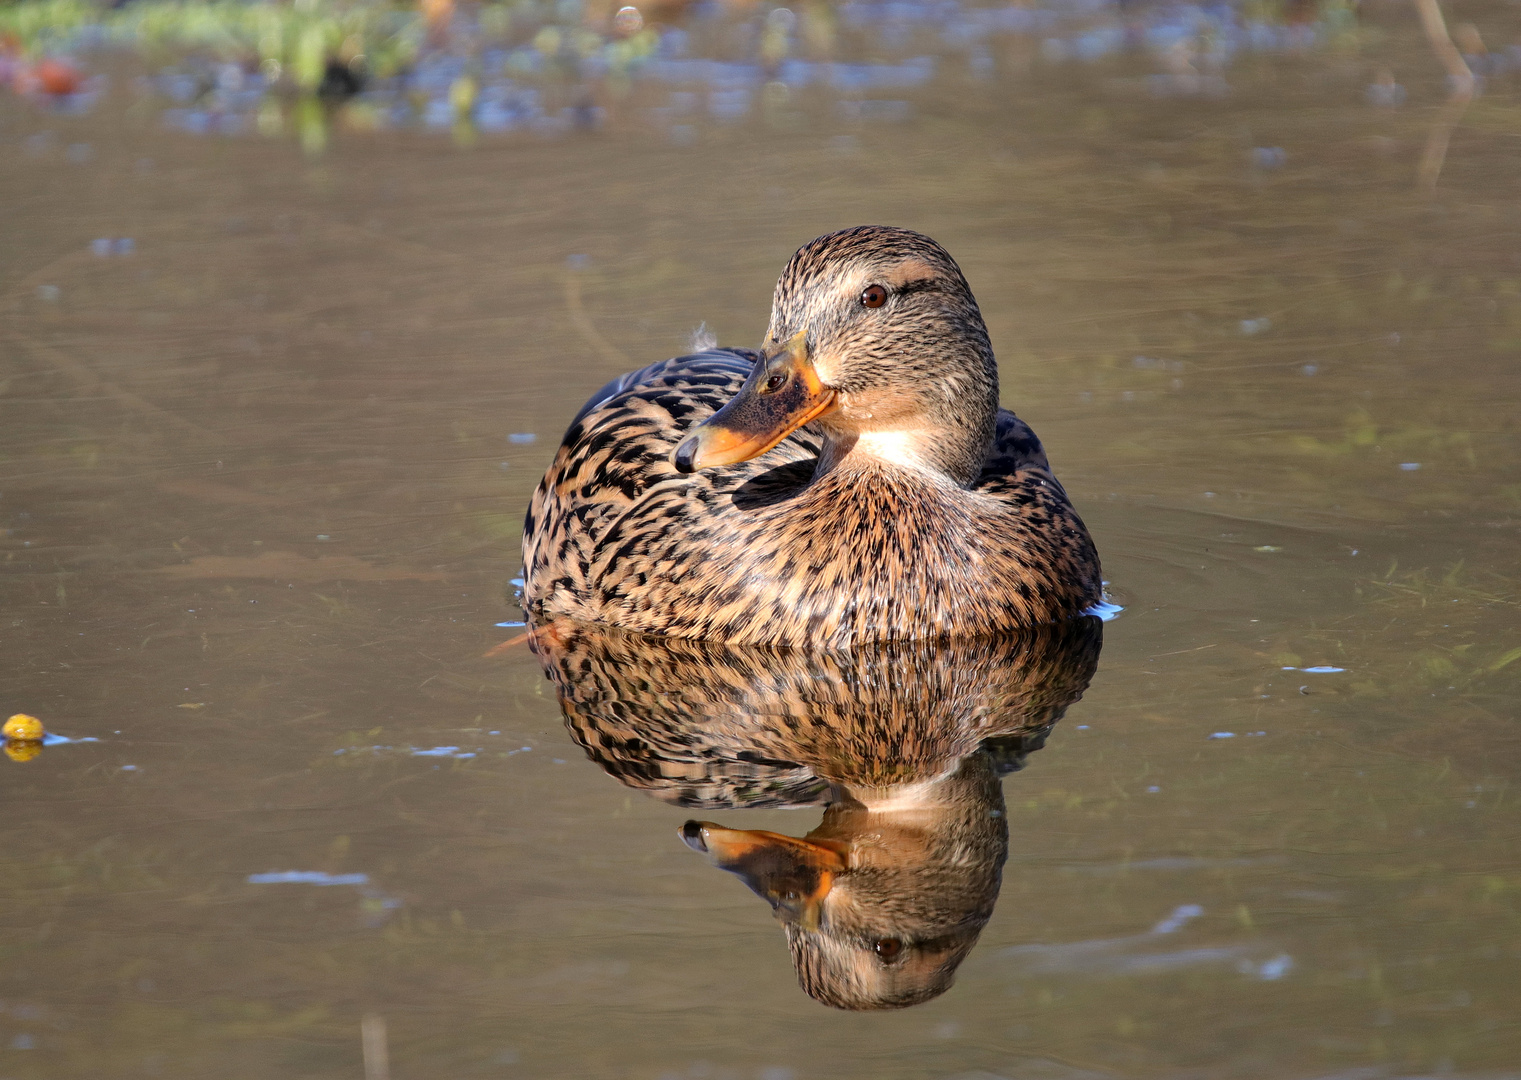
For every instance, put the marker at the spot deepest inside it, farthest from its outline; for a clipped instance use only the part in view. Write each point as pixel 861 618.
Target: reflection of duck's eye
pixel 774 383
pixel 790 894
pixel 873 296
pixel 888 948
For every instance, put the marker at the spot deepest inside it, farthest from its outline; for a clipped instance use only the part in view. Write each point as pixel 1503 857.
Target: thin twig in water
pixel 510 643
pixel 1462 81
pixel 1180 652
pixel 372 1038
pixel 87 379
pixel 584 325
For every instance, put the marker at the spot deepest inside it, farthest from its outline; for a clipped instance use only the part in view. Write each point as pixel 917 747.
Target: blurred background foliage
pixel 553 65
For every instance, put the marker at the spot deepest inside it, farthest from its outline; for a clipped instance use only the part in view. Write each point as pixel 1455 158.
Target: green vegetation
pixel 296 39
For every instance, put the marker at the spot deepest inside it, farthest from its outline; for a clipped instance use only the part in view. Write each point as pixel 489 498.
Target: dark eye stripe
pixel 908 288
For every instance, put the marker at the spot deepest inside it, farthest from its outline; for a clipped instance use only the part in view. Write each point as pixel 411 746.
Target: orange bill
pixel 793 875
pixel 782 394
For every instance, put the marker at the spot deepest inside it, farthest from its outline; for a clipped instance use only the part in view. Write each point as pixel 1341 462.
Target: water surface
pixel 262 478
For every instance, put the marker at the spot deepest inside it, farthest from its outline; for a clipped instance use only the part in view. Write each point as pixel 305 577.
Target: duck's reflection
pixel 903 744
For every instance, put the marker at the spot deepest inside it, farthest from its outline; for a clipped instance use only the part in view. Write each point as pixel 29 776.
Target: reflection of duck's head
pixel 883 900
pixel 904 742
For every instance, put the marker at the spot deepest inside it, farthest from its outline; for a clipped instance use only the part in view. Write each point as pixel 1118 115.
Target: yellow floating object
pixel 23 728
pixel 17 750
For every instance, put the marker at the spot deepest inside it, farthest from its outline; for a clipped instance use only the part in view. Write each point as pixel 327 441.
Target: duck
pixel 852 481
pixel 902 744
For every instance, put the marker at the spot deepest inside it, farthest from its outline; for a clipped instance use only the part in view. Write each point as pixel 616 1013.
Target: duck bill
pixel 782 394
pixel 792 875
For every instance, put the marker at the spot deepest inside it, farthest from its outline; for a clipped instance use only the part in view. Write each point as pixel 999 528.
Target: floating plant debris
pixel 23 728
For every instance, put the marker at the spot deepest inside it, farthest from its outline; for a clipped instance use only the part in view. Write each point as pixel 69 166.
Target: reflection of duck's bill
pixel 782 393
pixel 791 874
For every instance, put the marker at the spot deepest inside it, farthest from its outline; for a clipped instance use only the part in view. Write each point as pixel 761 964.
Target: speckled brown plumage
pixel 710 725
pixel 902 741
pixel 912 508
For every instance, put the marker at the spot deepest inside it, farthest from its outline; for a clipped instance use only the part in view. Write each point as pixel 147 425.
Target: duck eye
pixel 774 383
pixel 873 296
pixel 888 948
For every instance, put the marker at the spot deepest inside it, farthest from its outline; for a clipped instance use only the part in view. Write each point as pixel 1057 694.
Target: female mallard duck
pixel 854 481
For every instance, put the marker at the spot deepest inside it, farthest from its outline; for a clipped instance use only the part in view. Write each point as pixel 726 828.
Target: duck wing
pixel 612 481
pixel 1016 450
pixel 1015 447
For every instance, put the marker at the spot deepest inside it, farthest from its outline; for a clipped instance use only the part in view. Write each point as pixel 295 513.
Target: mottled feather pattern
pixel 755 552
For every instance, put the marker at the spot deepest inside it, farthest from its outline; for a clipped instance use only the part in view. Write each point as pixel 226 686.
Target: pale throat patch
pixel 923 795
pixel 896 447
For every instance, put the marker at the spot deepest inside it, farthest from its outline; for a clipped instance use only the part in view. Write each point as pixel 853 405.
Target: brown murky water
pixel 261 486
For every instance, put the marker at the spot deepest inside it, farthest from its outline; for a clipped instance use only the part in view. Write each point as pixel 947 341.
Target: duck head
pixel 874 338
